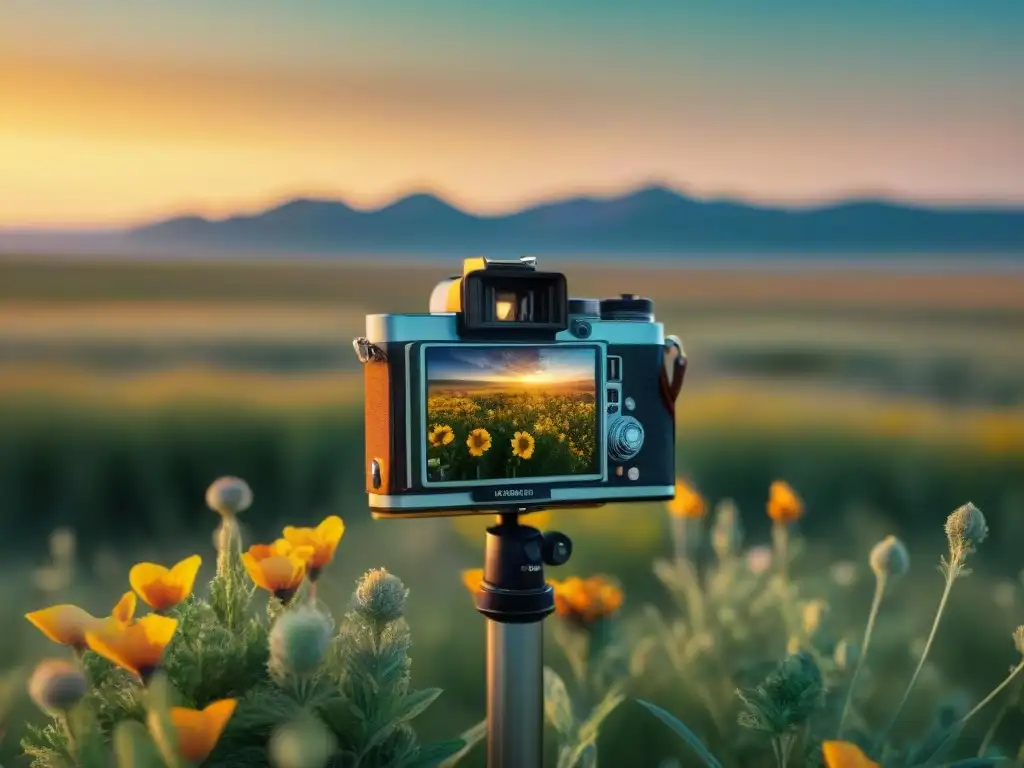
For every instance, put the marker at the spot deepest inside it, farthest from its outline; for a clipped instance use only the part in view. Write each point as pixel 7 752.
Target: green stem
pixel 876 604
pixel 958 727
pixel 780 542
pixel 994 728
pixel 951 573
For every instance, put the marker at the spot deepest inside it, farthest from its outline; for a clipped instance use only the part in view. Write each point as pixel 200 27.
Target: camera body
pixel 510 396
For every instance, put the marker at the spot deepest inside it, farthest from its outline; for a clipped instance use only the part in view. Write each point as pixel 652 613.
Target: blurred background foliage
pixel 885 398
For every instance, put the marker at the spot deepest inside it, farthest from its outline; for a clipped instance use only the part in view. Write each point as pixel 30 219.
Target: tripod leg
pixel 515 695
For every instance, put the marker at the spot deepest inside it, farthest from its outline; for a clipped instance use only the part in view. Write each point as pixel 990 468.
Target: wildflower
pixel 68 624
pixel 229 496
pixel 56 685
pixel 440 435
pixel 278 568
pixel 523 445
pixel 161 587
pixel 843 754
pixel 586 601
pixel 759 559
pixel 889 558
pixel 687 503
pixel 473 580
pixel 479 442
pixel 323 539
pixel 1018 640
pixel 380 596
pixel 199 730
pixel 784 506
pixel 137 647
pixel 299 642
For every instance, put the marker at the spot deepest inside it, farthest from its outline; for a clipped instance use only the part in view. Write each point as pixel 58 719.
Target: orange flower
pixel 199 730
pixel 473 580
pixel 137 647
pixel 67 624
pixel 687 504
pixel 843 754
pixel 323 539
pixel 278 568
pixel 784 506
pixel 162 588
pixel 586 601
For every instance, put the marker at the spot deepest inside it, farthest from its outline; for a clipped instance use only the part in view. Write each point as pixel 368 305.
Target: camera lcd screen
pixel 507 414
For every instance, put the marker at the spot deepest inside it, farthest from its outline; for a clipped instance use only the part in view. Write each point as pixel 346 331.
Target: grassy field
pixel 885 399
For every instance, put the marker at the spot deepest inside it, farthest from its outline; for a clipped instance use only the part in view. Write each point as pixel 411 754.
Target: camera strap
pixel 670 384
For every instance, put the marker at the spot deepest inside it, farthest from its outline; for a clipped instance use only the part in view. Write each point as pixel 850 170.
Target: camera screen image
pixel 502 414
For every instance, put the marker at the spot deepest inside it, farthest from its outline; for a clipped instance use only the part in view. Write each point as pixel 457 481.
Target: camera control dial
pixel 625 438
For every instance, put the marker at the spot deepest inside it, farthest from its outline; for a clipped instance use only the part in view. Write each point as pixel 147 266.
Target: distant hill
pixel 647 221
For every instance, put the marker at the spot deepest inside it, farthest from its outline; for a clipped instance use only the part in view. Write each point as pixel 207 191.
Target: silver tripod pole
pixel 515 695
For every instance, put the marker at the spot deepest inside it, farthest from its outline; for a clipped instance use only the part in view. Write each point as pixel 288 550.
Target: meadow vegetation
pixel 885 401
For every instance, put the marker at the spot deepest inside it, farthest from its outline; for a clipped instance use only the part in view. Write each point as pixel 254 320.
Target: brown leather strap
pixel 670 385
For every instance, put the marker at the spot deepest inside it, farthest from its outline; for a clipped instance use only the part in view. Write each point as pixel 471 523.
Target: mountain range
pixel 650 220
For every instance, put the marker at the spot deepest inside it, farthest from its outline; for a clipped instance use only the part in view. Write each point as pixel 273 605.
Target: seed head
pixel 57 685
pixel 302 743
pixel 229 496
pixel 380 596
pixel 889 558
pixel 965 529
pixel 1018 639
pixel 299 641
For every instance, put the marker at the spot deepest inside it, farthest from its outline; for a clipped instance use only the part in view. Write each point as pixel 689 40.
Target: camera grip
pixel 670 387
pixel 378 418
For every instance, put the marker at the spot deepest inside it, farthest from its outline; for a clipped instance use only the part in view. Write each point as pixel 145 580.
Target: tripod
pixel 515 598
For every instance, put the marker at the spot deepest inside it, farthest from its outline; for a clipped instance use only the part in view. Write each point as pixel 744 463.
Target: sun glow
pixel 540 377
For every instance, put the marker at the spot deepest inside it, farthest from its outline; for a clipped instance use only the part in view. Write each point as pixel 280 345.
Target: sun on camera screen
pixel 505 413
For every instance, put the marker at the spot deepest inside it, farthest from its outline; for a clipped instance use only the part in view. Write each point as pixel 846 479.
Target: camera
pixel 510 396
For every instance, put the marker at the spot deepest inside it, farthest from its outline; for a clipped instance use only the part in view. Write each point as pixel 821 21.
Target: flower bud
pixel 380 596
pixel 229 496
pixel 302 743
pixel 57 685
pixel 299 641
pixel 845 655
pixel 813 613
pixel 889 558
pixel 1018 639
pixel 966 529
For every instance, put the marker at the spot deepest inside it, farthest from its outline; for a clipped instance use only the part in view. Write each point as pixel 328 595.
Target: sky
pixel 121 111
pixel 536 366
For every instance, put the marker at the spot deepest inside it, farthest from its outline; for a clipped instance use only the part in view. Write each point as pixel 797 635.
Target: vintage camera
pixel 511 396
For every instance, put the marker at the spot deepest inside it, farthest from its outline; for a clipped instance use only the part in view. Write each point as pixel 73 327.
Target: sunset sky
pixel 114 111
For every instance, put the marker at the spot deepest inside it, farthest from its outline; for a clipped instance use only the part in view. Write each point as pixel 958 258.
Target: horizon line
pixel 620 192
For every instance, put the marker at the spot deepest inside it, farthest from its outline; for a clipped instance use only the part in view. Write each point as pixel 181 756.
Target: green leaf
pixel 591 726
pixel 471 737
pixel 557 705
pixel 583 754
pixel 410 707
pixel 682 732
pixel 415 704
pixel 435 755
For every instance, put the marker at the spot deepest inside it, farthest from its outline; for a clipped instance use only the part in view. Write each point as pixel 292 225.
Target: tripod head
pixel 514 589
pixel 516 598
